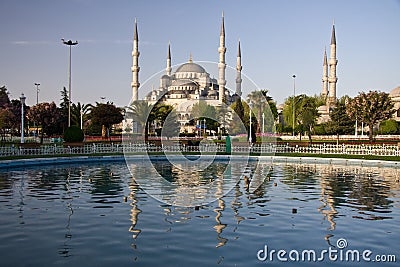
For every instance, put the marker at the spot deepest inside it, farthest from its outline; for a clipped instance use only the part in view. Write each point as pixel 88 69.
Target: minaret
pixel 135 64
pixel 332 67
pixel 190 58
pixel 221 64
pixel 168 69
pixel 325 76
pixel 239 72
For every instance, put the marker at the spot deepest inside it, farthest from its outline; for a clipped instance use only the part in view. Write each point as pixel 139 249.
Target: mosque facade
pixel 189 83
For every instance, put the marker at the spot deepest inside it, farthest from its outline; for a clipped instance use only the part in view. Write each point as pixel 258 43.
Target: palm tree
pixel 167 119
pixel 77 110
pixel 258 99
pixel 142 113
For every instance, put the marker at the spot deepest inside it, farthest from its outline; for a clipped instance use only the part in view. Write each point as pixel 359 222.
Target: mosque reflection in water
pixel 92 202
pixel 367 191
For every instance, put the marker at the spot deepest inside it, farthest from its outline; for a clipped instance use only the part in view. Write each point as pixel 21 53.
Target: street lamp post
pixel 37 93
pixel 294 94
pixel 81 111
pixel 204 125
pixel 22 99
pixel 70 44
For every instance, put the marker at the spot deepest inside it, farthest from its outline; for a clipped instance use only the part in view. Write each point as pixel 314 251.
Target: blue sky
pixel 278 39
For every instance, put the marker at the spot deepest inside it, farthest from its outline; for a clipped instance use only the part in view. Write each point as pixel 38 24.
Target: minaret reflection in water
pixel 366 191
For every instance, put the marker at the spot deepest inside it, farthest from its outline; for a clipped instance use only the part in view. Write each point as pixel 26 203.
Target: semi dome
pixel 395 92
pixel 183 82
pixel 191 67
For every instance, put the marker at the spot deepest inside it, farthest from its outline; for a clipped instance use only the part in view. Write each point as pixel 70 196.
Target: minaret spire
pixel 222 25
pixel 190 58
pixel 333 38
pixel 135 33
pixel 239 72
pixel 221 64
pixel 135 64
pixel 325 76
pixel 168 69
pixel 332 68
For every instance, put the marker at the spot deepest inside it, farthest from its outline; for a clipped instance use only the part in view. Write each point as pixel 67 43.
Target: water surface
pixel 96 215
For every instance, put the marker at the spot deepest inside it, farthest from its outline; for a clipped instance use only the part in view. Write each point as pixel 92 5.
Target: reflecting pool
pixel 97 215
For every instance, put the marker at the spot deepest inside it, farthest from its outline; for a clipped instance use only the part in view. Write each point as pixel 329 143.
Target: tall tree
pixel 340 122
pixel 4 99
pixel 106 115
pixel 270 112
pixel 44 114
pixel 254 123
pixel 6 118
pixel 258 101
pixel 63 120
pixel 263 104
pixel 308 115
pixel 237 125
pixel 15 108
pixel 288 110
pixel 371 108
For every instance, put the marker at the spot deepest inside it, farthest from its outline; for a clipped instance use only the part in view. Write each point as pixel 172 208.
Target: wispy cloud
pixel 24 42
pixel 85 41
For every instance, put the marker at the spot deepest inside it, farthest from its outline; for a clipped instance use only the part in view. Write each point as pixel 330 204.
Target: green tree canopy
pixel 4 99
pixel 340 122
pixel 371 108
pixel 288 110
pixel 237 125
pixel 143 114
pixel 63 119
pixel 76 110
pixel 106 115
pixel 202 111
pixel 166 118
pixel 6 118
pixel 46 115
pixel 308 114
pixel 305 111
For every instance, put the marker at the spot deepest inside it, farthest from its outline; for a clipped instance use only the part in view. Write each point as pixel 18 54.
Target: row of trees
pixel 369 108
pixel 50 119
pixel 221 119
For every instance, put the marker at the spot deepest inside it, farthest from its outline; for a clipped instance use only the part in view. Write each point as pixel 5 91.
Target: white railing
pixel 266 148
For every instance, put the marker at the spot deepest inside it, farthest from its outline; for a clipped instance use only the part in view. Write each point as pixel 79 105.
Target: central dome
pixel 395 92
pixel 191 67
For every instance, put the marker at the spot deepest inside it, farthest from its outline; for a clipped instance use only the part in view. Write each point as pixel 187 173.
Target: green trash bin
pixel 228 145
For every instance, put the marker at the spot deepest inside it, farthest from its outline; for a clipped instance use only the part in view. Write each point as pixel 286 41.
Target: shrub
pixel 73 134
pixel 389 127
